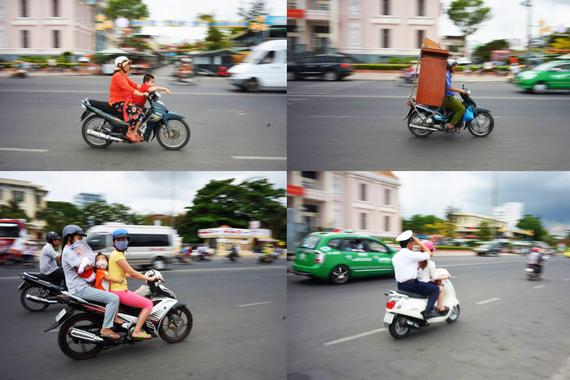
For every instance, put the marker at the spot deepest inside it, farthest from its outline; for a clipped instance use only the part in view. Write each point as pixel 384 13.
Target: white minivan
pixel 265 67
pixel 149 246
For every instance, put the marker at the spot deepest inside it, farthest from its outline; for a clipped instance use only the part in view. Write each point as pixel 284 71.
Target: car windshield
pixel 546 66
pixel 310 242
pixel 255 56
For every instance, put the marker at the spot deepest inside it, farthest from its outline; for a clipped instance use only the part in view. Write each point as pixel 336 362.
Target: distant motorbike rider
pixel 50 259
pixel 234 253
pixel 451 102
pixel 535 259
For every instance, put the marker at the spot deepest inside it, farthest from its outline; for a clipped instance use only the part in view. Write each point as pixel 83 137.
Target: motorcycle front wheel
pixel 416 118
pixel 94 123
pixel 73 347
pixel 36 291
pixel 482 125
pixel 176 325
pixel 175 136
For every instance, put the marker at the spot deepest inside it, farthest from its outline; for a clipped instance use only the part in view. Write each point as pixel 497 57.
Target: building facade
pixel 368 30
pixel 82 199
pixel 468 224
pixel 30 198
pixel 47 27
pixel 510 213
pixel 366 202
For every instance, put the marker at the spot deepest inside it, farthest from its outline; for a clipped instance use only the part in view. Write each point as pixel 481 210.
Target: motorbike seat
pixel 412 295
pixel 105 107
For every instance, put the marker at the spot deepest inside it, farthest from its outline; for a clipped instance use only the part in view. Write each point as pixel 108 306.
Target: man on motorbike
pixel 79 287
pixel 49 259
pixel 535 259
pixel 406 269
pixel 449 101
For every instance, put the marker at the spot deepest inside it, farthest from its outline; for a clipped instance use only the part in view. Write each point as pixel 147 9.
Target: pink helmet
pixel 535 249
pixel 429 245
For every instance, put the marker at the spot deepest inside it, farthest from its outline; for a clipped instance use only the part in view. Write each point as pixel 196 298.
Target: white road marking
pixel 567 279
pixel 241 113
pixel 331 116
pixel 23 150
pixel 487 301
pixel 332 342
pixel 259 158
pixel 253 304
pixel 486 263
pixel 563 372
pixel 539 286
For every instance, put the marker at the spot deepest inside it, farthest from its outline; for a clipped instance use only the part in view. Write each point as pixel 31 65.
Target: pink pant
pixel 129 298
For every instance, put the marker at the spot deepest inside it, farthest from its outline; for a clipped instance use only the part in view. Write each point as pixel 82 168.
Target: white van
pixel 265 67
pixel 149 245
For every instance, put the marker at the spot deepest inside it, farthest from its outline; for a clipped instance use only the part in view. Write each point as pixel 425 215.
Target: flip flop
pixel 142 336
pixel 111 336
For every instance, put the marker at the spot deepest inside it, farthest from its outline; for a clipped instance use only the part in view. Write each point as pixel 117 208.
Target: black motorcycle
pixel 37 292
pixel 102 125
pixel 423 120
pixel 80 322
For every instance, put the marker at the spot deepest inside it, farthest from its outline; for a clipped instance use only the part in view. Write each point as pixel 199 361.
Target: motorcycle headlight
pixel 155 117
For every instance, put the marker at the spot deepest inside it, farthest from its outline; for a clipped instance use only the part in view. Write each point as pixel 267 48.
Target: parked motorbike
pixel 404 309
pixel 37 292
pixel 80 322
pixel 102 125
pixel 423 120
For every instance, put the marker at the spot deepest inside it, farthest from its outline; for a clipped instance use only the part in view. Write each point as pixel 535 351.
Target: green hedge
pixel 452 248
pixel 380 66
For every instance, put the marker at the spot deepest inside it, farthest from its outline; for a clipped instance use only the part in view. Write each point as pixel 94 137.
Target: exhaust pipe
pixel 104 136
pixel 423 128
pixel 84 335
pixel 40 300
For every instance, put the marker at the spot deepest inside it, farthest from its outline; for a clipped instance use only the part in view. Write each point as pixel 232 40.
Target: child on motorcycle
pixel 149 85
pixel 426 273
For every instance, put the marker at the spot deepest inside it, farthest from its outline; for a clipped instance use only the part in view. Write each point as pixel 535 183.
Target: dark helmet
pixel 71 230
pixel 51 236
pixel 121 232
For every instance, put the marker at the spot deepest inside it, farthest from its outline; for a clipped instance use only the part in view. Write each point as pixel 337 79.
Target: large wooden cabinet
pixel 431 84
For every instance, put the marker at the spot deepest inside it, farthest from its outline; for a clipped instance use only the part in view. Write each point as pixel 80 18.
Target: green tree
pixel 484 51
pixel 130 9
pixel 533 223
pixel 484 233
pixel 221 202
pixel 256 8
pixel 215 39
pixel 422 224
pixel 450 211
pixel 12 210
pixel 59 214
pixel 101 212
pixel 467 15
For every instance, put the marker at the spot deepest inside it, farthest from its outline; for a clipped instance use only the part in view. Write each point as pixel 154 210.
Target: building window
pixel 56 39
pixel 355 35
pixel 55 8
pixel 24 8
pixel 337 216
pixel 387 194
pixel 385 7
pixel 38 200
pixel 386 223
pixel 385 35
pixel 354 8
pixel 25 39
pixel 420 36
pixel 421 8
pixel 337 187
pixel 18 196
pixel 363 225
pixel 363 192
pixel 1 194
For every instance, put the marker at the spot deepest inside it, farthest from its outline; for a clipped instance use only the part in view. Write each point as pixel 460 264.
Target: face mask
pixel 122 245
pixel 101 264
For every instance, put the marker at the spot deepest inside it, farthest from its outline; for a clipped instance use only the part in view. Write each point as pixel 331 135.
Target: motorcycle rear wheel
pixel 67 343
pixel 172 321
pixel 399 328
pixel 31 305
pixel 417 119
pixel 91 123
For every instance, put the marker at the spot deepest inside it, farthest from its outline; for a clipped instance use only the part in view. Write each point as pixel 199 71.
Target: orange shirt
pixel 121 88
pixel 99 280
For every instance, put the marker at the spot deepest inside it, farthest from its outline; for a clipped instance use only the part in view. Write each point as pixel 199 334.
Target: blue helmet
pixel 121 232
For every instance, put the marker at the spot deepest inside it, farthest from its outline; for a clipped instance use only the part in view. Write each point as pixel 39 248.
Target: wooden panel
pixel 431 84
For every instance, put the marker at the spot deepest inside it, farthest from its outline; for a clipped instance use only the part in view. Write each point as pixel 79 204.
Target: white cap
pixel 120 60
pixel 406 235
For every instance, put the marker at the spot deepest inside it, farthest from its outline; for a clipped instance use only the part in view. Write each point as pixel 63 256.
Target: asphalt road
pixel 509 328
pixel 357 125
pixel 239 330
pixel 230 130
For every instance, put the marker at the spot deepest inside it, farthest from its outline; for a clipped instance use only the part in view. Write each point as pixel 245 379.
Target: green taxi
pixel 554 75
pixel 341 256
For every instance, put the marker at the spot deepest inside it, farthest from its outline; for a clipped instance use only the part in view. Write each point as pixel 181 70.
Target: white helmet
pixel 451 62
pixel 120 60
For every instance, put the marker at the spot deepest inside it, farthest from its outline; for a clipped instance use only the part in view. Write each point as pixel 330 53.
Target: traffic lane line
pixel 539 286
pixel 352 337
pixel 24 150
pixel 259 158
pixel 488 301
pixel 254 304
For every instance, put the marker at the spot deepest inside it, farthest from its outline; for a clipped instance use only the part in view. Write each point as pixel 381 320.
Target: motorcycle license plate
pixel 60 315
pixel 388 318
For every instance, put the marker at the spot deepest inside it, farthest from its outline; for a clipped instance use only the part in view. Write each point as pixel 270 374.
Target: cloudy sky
pixel 144 192
pixel 188 10
pixel 545 194
pixel 510 19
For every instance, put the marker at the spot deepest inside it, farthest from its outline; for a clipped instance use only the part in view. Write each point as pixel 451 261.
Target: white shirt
pixel 427 274
pixel 406 264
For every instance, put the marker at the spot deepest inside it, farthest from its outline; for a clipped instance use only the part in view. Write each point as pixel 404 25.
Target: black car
pixel 325 66
pixel 489 249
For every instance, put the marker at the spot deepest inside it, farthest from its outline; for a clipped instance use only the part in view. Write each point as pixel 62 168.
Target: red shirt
pixel 121 88
pixel 141 100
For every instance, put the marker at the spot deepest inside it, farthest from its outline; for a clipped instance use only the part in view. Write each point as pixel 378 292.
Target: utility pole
pixel 528 5
pixel 494 198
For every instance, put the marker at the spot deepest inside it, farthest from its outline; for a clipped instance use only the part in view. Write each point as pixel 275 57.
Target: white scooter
pixel 403 309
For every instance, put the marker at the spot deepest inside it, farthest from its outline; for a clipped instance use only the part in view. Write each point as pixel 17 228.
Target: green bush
pixel 380 66
pixel 402 60
pixel 452 248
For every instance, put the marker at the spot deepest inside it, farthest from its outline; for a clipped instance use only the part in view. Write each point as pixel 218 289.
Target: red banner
pixel 295 13
pixel 297 191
